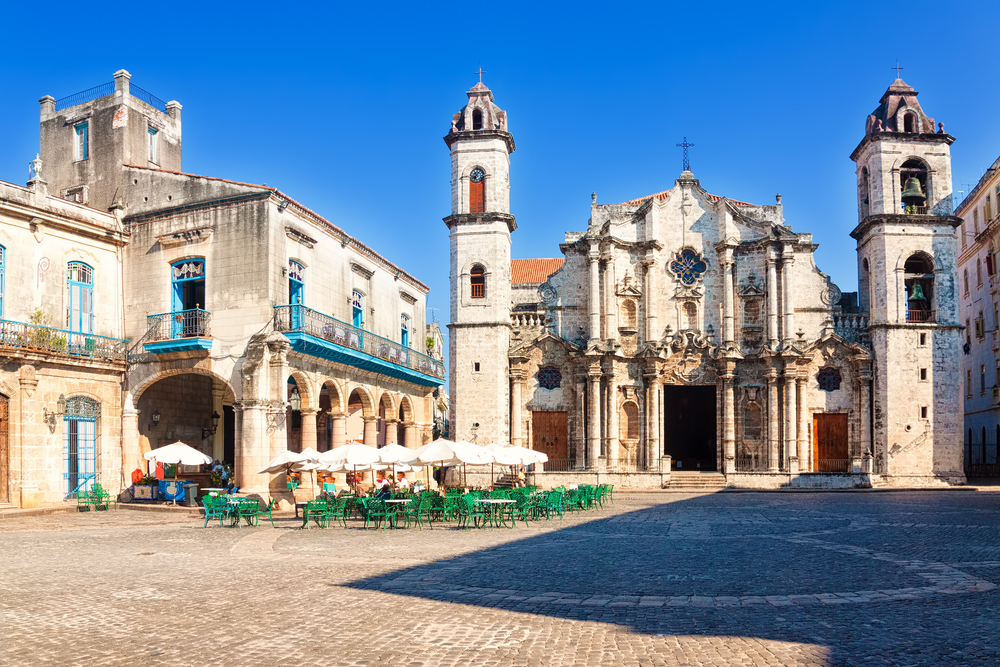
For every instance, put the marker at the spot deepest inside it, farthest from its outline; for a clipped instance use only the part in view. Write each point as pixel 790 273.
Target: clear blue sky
pixel 344 105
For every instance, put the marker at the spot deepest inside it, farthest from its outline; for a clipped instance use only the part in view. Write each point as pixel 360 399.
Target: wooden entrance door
pixel 4 450
pixel 831 451
pixel 550 434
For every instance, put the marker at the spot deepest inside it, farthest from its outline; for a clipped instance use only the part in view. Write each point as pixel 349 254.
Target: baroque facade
pixel 254 325
pixel 686 331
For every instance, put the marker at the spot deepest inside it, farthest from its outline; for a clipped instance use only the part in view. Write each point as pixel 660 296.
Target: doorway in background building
pixel 831 453
pixel 689 427
pixel 550 434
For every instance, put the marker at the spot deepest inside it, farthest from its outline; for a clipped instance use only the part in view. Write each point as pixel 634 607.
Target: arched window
pixel 628 315
pixel 914 201
pixel 690 315
pixel 863 192
pixel 80 313
pixel 477 119
pixel 753 423
pixel 918 277
pixel 296 282
pixel 358 309
pixel 404 330
pixel 477 191
pixel 909 124
pixel 80 443
pixel 629 429
pixel 477 282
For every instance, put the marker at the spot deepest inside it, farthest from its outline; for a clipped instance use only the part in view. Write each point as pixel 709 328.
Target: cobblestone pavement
pixel 656 579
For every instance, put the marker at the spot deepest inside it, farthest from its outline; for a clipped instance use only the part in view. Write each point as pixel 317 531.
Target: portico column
pixel 611 446
pixel 729 421
pixel 805 460
pixel 23 453
pixel 391 431
pixel 219 437
pixel 789 290
pixel 410 433
pixel 659 420
pixel 339 436
pixel 278 366
pixel 579 431
pixel 253 448
pixel 594 420
pixel 517 378
pixel 650 295
pixel 652 429
pixel 772 424
pixel 370 434
pixel 610 307
pixel 865 421
pixel 308 428
pixel 595 293
pixel 772 301
pixel 791 423
pixel 131 452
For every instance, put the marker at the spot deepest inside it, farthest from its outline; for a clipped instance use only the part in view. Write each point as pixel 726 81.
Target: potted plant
pixel 146 488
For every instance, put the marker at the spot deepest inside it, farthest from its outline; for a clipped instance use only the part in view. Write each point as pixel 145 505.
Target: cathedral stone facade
pixel 686 332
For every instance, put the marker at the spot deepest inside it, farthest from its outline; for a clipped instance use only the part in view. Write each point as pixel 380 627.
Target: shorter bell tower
pixel 907 279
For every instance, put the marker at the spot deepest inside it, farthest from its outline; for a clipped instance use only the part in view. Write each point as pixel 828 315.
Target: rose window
pixel 688 267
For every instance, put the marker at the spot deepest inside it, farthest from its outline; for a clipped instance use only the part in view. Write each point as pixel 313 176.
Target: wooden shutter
pixel 477 198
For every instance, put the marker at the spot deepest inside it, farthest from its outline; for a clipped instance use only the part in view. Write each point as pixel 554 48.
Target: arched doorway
pixel 689 427
pixel 356 403
pixel 182 407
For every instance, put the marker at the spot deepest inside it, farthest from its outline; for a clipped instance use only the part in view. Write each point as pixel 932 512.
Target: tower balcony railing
pixel 47 339
pixel 920 316
pixel 291 318
pixel 915 210
pixel 193 323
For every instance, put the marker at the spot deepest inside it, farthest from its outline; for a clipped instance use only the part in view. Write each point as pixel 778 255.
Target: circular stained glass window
pixel 688 267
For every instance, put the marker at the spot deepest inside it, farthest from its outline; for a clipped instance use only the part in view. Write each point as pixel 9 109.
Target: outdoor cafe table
pixel 495 507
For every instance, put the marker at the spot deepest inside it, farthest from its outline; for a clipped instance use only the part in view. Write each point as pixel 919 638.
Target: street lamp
pixel 205 432
pixel 295 400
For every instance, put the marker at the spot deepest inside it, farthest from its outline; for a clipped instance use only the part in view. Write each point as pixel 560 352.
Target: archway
pixel 359 406
pixel 407 432
pixel 329 410
pixel 386 420
pixel 689 428
pixel 193 408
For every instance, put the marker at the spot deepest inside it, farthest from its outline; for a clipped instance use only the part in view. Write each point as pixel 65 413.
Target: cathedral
pixel 685 335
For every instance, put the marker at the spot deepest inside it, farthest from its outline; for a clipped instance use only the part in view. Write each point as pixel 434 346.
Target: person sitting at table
pixel 401 481
pixel 382 486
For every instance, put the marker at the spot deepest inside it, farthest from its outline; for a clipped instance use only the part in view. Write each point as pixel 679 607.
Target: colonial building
pixel 686 331
pixel 254 324
pixel 977 266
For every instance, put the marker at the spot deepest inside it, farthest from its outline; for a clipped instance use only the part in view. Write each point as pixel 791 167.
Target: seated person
pixel 382 486
pixel 401 482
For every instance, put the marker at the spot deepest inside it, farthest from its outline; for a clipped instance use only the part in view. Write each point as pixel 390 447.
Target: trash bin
pixel 191 494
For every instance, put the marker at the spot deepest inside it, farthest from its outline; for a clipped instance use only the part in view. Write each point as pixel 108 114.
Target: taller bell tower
pixel 907 279
pixel 480 226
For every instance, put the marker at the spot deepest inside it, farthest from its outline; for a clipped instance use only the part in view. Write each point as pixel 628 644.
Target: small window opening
pixel 919 281
pixel 475 366
pixel 477 119
pixel 923 412
pixel 908 124
pixel 923 373
pixel 477 280
pixel 923 340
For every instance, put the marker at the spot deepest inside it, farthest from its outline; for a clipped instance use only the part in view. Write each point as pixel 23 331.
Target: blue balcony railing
pixel 193 323
pixel 47 339
pixel 387 354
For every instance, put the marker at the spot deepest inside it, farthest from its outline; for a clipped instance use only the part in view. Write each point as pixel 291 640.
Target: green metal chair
pixel 553 504
pixel 520 509
pixel 215 508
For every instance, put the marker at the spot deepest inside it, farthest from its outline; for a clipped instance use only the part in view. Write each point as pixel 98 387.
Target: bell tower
pixel 480 226
pixel 907 279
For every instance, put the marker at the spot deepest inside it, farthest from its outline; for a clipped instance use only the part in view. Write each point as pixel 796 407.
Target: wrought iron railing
pixel 833 465
pixel 752 463
pixel 150 99
pixel 47 339
pixel 919 316
pixel 293 317
pixel 194 323
pixel 102 90
pixel 915 210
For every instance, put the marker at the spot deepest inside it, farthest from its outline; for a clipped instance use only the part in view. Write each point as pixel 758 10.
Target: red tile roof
pixel 533 270
pixel 660 196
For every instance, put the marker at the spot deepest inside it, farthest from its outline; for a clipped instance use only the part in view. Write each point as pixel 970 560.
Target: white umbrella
pixel 444 452
pixel 283 462
pixel 352 456
pixel 178 454
pixel 502 455
pixel 395 453
pixel 309 454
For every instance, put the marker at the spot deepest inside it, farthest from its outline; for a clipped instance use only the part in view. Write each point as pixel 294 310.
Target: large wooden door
pixel 4 450
pixel 550 434
pixel 831 451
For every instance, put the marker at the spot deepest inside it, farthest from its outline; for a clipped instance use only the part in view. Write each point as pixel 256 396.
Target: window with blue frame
pixel 81 149
pixel 3 258
pixel 404 330
pixel 188 279
pixel 358 309
pixel 296 282
pixel 80 443
pixel 80 310
pixel 153 145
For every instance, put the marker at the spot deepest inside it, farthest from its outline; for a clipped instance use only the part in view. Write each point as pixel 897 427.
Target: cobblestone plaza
pixel 874 578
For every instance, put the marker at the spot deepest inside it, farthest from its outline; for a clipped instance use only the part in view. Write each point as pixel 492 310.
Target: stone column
pixel 370 434
pixel 278 368
pixel 517 379
pixel 219 438
pixel 610 304
pixel 253 447
pixel 729 420
pixel 594 420
pixel 805 459
pixel 25 453
pixel 729 332
pixel 791 423
pixel 131 450
pixel 652 428
pixel 391 431
pixel 650 294
pixel 789 290
pixel 412 436
pixel 772 301
pixel 309 428
pixel 661 439
pixel 865 410
pixel 595 293
pixel 339 436
pixel 579 432
pixel 773 433
pixel 611 444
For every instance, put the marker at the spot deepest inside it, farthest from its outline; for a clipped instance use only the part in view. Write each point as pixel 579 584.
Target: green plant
pixel 148 480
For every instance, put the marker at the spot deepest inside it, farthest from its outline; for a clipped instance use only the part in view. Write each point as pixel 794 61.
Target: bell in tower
pixel 913 194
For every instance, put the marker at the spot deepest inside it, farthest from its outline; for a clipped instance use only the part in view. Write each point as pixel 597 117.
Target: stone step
pixel 696 480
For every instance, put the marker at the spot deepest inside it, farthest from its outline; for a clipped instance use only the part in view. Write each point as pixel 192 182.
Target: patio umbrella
pixel 310 455
pixel 283 462
pixel 352 455
pixel 502 455
pixel 178 454
pixel 394 454
pixel 443 452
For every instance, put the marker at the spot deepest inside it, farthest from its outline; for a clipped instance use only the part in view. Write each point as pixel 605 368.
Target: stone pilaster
pixel 650 296
pixel 610 299
pixel 729 419
pixel 772 301
pixel 652 454
pixel 594 419
pixel 578 434
pixel 594 309
pixel 805 456
pixel 611 444
pixel 791 423
pixel 370 434
pixel 773 432
pixel 219 438
pixel 787 261
pixel 516 420
pixel 26 490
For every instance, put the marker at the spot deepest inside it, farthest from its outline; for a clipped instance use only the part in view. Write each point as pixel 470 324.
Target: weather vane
pixel 686 146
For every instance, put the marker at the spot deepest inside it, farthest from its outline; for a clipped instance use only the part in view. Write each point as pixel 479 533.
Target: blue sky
pixel 344 106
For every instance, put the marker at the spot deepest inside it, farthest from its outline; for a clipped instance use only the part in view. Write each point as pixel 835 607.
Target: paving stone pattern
pixel 656 579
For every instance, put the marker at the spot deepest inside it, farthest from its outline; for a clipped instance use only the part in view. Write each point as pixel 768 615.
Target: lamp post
pixel 208 432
